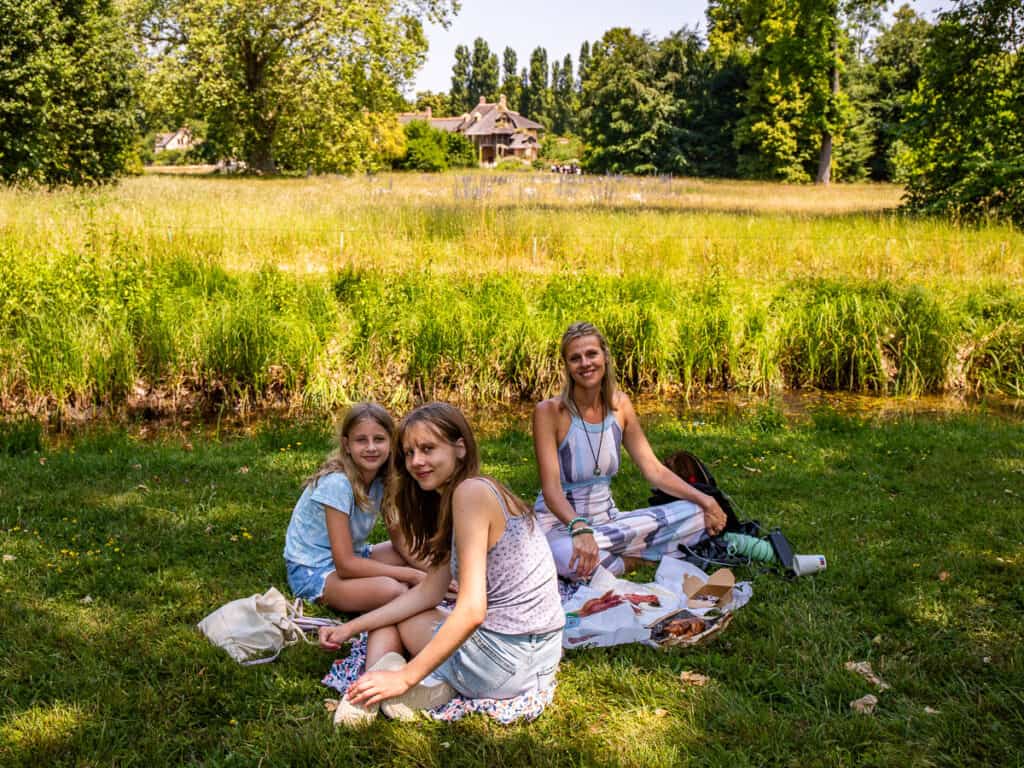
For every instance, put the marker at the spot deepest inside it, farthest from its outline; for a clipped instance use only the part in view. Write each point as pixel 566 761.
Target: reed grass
pixel 315 292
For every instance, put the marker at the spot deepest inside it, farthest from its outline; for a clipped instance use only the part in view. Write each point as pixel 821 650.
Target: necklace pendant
pixel 597 470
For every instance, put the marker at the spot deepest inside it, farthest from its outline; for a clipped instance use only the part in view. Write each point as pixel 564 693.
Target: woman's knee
pixel 392 588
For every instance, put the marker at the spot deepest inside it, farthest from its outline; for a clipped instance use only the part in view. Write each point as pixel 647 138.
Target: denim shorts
pixel 492 665
pixel 307 581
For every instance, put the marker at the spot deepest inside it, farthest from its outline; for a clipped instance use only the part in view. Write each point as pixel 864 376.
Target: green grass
pixel 163 293
pixel 159 532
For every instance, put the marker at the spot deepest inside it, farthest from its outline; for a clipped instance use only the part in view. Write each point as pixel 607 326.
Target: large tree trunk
pixel 260 138
pixel 825 157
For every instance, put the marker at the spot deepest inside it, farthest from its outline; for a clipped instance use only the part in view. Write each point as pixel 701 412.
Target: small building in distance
pixel 180 139
pixel 496 131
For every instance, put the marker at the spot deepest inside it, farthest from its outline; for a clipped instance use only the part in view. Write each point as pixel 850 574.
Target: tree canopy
pixel 293 83
pixel 67 91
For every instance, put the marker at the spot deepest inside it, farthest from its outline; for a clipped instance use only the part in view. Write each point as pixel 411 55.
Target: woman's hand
pixel 584 555
pixel 714 518
pixel 332 638
pixel 374 687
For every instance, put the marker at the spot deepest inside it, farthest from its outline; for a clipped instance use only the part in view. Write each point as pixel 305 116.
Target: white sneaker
pixel 350 714
pixel 420 696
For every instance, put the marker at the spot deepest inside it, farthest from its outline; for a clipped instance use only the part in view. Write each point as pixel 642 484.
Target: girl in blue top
pixel 326 551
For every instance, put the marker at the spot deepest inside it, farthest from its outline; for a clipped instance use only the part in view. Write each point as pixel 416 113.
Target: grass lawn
pixel 115 545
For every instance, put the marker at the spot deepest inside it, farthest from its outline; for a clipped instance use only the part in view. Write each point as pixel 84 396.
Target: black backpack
pixel 695 472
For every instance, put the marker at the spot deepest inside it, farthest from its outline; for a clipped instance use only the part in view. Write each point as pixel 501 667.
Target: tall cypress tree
pixel 537 97
pixel 511 85
pixel 459 96
pixel 483 78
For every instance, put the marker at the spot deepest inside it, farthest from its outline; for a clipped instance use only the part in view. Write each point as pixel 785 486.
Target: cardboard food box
pixel 716 592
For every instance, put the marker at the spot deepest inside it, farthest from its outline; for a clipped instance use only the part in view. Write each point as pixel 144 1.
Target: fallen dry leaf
pixel 752 470
pixel 330 704
pixel 9 558
pixel 86 600
pixel 865 704
pixel 876 640
pixel 943 575
pixel 931 711
pixel 863 668
pixel 693 678
pixel 42 460
pixel 660 712
pixel 243 470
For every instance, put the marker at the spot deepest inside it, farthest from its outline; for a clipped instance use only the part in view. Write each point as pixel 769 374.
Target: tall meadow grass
pixel 316 292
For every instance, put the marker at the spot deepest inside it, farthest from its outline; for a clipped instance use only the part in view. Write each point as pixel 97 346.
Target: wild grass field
pixel 114 545
pixel 165 293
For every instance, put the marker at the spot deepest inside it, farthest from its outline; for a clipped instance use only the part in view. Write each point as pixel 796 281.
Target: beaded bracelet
pixel 573 522
pixel 581 531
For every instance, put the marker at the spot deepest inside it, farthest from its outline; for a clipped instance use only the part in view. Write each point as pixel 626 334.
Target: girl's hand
pixel 584 555
pixel 412 576
pixel 332 638
pixel 714 517
pixel 374 687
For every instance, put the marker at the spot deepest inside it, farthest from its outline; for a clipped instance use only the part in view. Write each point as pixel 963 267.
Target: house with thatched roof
pixel 496 131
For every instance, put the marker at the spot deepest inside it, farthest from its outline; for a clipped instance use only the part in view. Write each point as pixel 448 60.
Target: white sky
pixel 561 26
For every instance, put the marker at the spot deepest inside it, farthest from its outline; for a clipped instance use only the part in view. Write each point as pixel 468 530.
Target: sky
pixel 561 26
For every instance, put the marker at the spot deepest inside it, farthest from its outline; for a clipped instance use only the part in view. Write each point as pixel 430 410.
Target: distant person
pixel 503 638
pixel 578 437
pixel 326 551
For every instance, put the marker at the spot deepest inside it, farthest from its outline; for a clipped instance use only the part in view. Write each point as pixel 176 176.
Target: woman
pixel 578 438
pixel 503 637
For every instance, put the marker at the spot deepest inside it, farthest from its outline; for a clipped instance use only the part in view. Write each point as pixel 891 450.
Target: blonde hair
pixel 341 461
pixel 608 382
pixel 425 517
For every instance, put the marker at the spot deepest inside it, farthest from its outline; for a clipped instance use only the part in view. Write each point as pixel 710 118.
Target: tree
pixel 894 72
pixel 483 76
pixel 511 84
pixel 964 131
pixel 67 97
pixel 460 96
pixel 304 82
pixel 624 111
pixel 536 97
pixel 564 102
pixel 584 63
pixel 438 103
pixel 794 109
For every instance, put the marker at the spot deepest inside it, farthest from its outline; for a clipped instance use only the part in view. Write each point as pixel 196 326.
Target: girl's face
pixel 585 361
pixel 369 445
pixel 429 457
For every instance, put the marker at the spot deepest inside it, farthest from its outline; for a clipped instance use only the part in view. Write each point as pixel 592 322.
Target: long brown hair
pixel 425 517
pixel 341 461
pixel 608 382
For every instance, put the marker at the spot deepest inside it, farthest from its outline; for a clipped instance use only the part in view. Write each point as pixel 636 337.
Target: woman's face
pixel 369 445
pixel 429 457
pixel 585 361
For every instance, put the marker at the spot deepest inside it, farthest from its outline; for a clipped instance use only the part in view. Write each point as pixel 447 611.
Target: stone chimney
pixel 502 104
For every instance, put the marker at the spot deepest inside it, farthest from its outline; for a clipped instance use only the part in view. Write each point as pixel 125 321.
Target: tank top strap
pixel 498 495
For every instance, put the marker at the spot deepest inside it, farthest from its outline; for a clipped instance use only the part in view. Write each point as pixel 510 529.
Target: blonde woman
pixel 578 439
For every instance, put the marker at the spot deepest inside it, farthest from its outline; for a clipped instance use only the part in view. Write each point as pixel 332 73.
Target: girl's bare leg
pixel 380 642
pixel 417 630
pixel 386 553
pixel 360 595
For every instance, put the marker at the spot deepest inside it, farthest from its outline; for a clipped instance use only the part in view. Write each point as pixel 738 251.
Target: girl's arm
pixel 424 596
pixel 475 510
pixel 545 445
pixel 660 476
pixel 349 565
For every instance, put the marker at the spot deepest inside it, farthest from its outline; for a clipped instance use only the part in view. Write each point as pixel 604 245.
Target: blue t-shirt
pixel 306 542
